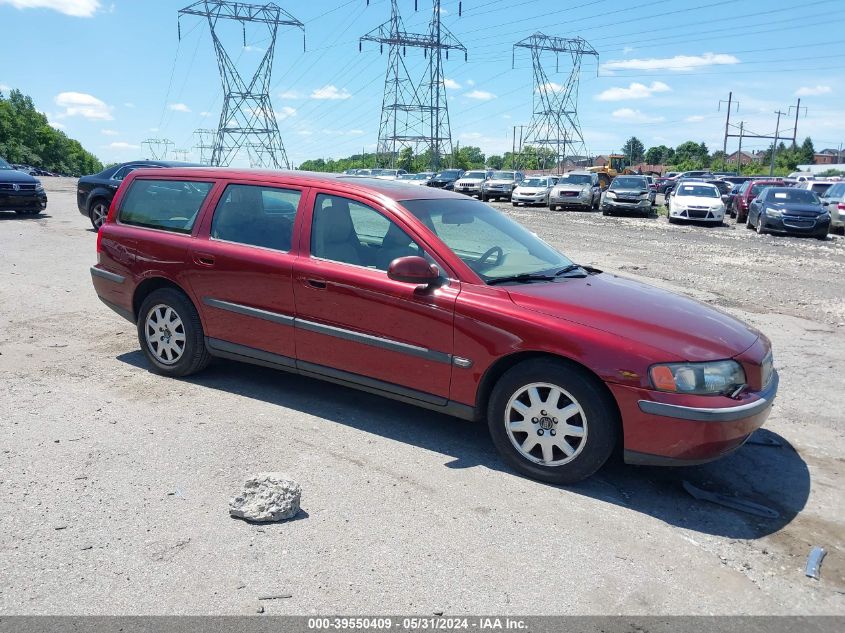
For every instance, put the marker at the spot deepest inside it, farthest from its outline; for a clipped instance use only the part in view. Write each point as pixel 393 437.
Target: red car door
pixel 241 272
pixel 353 323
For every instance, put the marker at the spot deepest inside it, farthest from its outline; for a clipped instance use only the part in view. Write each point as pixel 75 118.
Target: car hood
pixel 567 186
pixel 697 201
pixel 494 181
pixel 798 208
pixel 683 328
pixel 522 189
pixel 638 191
pixel 13 175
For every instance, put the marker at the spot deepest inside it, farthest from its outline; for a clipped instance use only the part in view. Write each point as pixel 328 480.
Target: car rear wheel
pixel 171 335
pixel 552 421
pixel 761 228
pixel 98 213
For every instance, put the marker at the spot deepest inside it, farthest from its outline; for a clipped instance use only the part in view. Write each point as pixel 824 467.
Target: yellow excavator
pixel 615 165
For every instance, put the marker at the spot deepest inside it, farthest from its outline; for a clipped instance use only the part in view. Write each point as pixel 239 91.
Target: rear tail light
pixel 840 206
pixel 99 239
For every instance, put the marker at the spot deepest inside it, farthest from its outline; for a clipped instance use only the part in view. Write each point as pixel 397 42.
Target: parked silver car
pixel 834 201
pixel 577 189
pixel 501 184
pixel 470 183
pixel 533 190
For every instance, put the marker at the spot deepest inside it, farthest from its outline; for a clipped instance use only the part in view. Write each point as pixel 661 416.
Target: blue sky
pixel 112 74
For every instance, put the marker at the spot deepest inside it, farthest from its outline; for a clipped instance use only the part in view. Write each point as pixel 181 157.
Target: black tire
pixel 194 355
pixel 483 198
pixel 552 207
pixel 515 204
pixel 672 220
pixel 605 212
pixel 821 236
pixel 760 227
pixel 600 419
pixel 97 212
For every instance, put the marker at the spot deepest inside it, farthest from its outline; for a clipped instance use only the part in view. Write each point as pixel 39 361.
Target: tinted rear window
pixel 169 205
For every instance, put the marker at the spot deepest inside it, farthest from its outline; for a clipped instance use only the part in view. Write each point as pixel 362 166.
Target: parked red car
pixel 434 299
pixel 750 189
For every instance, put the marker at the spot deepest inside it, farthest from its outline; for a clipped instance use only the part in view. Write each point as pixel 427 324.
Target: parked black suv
pixel 20 192
pixel 94 193
pixel 446 179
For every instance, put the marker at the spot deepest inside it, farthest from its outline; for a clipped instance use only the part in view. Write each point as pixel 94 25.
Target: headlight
pixel 775 213
pixel 611 195
pixel 717 207
pixel 718 377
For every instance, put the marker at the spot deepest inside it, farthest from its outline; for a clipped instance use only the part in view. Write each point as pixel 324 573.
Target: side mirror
pixel 413 270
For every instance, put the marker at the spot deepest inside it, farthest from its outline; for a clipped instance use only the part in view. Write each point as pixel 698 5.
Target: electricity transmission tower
pixel 204 144
pixel 181 154
pixel 554 126
pixel 414 114
pixel 158 147
pixel 247 119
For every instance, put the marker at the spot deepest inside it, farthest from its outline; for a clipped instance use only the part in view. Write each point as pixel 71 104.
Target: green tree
pixel 495 162
pixel 807 152
pixel 634 151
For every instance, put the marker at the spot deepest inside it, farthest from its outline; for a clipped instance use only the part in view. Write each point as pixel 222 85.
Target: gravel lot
pixel 115 481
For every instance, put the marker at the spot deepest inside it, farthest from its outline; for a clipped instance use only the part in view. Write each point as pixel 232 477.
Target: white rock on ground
pixel 267 497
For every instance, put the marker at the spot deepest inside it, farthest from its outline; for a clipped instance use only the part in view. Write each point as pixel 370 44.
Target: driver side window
pixel 347 231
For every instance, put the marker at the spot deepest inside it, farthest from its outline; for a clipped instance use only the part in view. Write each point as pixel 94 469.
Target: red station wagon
pixel 434 299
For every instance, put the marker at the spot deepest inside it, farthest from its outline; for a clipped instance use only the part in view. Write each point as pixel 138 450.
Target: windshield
pixel 782 196
pixel 700 191
pixel 449 173
pixel 4 164
pixel 629 183
pixel 502 175
pixel 756 189
pixel 488 242
pixel 420 176
pixel 475 174
pixel 535 182
pixel 575 179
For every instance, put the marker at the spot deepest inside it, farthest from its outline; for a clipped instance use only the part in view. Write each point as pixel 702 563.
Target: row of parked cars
pixel 809 207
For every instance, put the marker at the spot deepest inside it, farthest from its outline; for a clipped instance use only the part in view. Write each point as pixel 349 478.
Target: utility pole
pixel 158 147
pixel 414 113
pixel 775 144
pixel 739 151
pixel 727 119
pixel 181 154
pixel 247 120
pixel 205 144
pixel 554 124
pixel 513 149
pixel 795 128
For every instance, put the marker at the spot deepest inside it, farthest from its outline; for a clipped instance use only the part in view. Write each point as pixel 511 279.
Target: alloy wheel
pixel 546 424
pixel 99 212
pixel 165 334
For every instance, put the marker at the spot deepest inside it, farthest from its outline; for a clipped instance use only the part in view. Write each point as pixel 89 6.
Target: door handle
pixel 204 259
pixel 319 284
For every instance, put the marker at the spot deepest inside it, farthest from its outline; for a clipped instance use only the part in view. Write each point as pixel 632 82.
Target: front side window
pixel 121 173
pixel 169 205
pixel 256 216
pixel 346 231
pixel 489 242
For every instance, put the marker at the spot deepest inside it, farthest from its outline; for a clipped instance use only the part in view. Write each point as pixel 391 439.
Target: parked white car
pixel 533 190
pixel 421 178
pixel 696 201
pixel 388 174
pixel 470 183
pixel 576 189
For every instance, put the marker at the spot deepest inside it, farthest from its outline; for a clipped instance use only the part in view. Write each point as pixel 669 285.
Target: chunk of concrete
pixel 267 497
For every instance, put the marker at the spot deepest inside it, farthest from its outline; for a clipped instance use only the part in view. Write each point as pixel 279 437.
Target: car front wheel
pixel 171 335
pixel 99 212
pixel 552 421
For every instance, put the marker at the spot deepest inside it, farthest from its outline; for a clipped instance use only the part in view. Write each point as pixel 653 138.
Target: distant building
pixel 827 157
pixel 745 158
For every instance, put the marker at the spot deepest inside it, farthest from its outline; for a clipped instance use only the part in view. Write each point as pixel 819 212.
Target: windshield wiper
pixel 573 267
pixel 521 278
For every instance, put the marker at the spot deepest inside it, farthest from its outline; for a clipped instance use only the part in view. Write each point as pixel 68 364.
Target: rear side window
pixel 256 216
pixel 169 205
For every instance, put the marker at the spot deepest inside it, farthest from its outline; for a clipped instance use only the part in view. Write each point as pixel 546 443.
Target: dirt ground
pixel 114 482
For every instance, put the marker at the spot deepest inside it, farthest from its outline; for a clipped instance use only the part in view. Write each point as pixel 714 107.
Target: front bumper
pixel 698 215
pixel 672 429
pixel 529 198
pixel 625 205
pixel 576 200
pixel 500 191
pixel 468 190
pixel 31 200
pixel 797 226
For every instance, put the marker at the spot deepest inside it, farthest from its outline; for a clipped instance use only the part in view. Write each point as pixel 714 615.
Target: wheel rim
pixel 760 224
pixel 546 424
pixel 99 213
pixel 165 334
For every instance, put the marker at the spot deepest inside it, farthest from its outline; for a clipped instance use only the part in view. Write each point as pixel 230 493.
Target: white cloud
pixel 254 49
pixel 84 105
pixel 122 145
pixel 178 107
pixel 331 132
pixel 452 84
pixel 76 8
pixel 285 112
pixel 634 116
pixel 677 63
pixel 481 95
pixel 627 50
pixel 55 124
pixel 554 87
pixel 205 114
pixel 5 88
pixel 129 104
pixel 695 118
pixel 290 94
pixel 633 91
pixel 812 91
pixel 109 133
pixel 330 92
pixel 153 129
pixel 470 82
